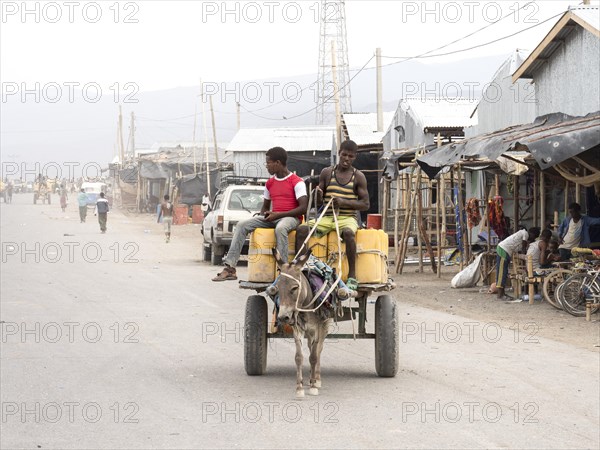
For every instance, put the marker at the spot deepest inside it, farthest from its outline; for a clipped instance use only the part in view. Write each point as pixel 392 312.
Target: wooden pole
pixel 405 231
pixel 516 202
pixel 463 226
pixel 121 146
pixel 384 210
pixel 379 91
pixel 422 230
pixel 397 213
pixel 443 208
pixel 566 198
pixel 535 198
pixel 530 276
pixel 214 130
pixel 438 232
pixel 542 200
pixel 419 220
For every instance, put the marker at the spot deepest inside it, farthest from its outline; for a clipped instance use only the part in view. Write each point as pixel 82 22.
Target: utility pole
pixel 379 91
pixel 121 146
pixel 238 115
pixel 205 140
pixel 194 135
pixel 214 129
pixel 338 121
pixel 132 134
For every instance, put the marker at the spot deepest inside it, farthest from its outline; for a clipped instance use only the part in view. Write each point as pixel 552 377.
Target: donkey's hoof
pixel 318 384
pixel 313 391
pixel 300 393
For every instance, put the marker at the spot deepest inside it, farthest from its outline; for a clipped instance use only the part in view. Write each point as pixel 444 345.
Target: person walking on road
pixel 166 213
pixel 102 210
pixel 63 199
pixel 82 201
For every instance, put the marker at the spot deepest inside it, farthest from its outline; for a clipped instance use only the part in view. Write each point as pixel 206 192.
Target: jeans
pixel 282 229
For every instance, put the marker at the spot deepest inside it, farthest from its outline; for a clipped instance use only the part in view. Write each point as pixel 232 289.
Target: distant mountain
pixel 87 132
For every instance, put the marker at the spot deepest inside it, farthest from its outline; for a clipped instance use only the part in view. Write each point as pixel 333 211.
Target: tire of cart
pixel 255 335
pixel 386 337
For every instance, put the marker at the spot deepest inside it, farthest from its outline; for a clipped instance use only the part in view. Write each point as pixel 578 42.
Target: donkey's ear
pixel 303 258
pixel 278 258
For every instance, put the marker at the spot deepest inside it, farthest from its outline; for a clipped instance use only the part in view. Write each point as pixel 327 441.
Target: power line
pixel 423 55
pixel 317 105
pixel 475 46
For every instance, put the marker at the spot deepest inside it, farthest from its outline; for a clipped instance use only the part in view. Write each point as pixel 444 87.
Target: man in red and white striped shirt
pixel 285 202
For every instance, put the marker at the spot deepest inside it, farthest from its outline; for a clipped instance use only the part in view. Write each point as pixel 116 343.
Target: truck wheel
pixel 386 337
pixel 255 335
pixel 216 257
pixel 206 252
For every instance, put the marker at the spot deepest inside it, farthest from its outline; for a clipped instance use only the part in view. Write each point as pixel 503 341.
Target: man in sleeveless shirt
pixel 284 204
pixel 166 213
pixel 347 186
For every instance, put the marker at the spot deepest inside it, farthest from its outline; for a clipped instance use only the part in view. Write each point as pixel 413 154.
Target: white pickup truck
pixel 230 206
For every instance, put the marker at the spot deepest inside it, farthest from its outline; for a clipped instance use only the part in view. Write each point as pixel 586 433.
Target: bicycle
pixel 580 289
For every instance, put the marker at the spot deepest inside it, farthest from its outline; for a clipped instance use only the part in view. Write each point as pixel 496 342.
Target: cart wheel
pixel 255 335
pixel 206 252
pixel 386 337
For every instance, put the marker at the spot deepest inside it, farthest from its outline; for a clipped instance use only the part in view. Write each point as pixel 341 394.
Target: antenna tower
pixel 333 29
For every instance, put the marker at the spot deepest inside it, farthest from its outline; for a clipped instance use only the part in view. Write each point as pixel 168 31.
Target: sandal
pixel 352 283
pixel 228 273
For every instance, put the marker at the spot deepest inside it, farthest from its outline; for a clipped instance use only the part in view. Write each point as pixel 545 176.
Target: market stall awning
pixel 550 139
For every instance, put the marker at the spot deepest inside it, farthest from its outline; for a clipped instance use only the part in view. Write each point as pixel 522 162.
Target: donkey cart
pixel 258 330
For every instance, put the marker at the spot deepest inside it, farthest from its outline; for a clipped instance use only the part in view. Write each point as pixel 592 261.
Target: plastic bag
pixel 469 276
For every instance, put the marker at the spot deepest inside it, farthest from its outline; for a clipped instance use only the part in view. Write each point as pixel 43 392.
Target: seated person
pixel 575 231
pixel 347 186
pixel 287 192
pixel 553 253
pixel 539 251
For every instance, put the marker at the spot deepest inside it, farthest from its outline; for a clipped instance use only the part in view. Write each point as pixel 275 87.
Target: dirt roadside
pixel 426 290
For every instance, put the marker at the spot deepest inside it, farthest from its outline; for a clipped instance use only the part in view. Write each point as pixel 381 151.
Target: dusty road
pixel 122 341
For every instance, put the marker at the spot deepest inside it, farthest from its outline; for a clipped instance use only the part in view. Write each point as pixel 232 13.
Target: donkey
pixel 294 294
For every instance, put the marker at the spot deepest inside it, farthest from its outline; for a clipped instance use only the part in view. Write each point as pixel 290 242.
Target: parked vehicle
pixel 230 206
pixel 92 190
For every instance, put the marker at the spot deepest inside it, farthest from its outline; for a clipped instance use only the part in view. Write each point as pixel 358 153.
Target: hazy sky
pixel 120 50
pixel 165 44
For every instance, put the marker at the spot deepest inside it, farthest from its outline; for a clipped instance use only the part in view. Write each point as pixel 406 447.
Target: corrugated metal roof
pixel 292 139
pixel 435 112
pixel 186 150
pixel 589 14
pixel 362 127
pixel 584 16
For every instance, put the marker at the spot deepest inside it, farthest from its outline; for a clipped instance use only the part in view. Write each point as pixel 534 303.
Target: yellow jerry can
pixel 262 267
pixel 371 259
pixel 332 249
